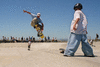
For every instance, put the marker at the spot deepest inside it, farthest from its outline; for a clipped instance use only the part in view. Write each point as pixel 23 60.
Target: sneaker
pixel 62 52
pixel 29 49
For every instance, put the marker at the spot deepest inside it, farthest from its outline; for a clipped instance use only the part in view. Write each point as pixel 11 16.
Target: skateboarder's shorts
pixel 40 26
pixel 28 46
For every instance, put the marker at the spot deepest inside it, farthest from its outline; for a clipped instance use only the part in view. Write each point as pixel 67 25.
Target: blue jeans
pixel 74 42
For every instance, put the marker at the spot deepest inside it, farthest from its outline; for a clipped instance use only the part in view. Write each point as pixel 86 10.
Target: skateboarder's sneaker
pixel 29 49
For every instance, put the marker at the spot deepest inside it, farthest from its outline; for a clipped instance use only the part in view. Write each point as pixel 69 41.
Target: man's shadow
pixel 82 56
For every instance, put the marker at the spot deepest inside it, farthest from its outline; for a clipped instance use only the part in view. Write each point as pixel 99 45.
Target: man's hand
pixel 26 12
pixel 76 22
pixel 74 27
pixel 42 25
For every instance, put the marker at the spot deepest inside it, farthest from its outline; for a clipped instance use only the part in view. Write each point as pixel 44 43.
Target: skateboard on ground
pixel 62 50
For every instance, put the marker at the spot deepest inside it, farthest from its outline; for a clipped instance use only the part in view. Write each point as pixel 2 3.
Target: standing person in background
pixel 22 38
pixel 48 38
pixel 29 44
pixel 11 37
pixel 53 39
pixel 29 38
pixel 45 39
pixel 33 39
pixel 78 33
pixel 97 36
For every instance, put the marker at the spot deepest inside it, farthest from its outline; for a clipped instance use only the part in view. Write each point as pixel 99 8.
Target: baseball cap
pixel 38 14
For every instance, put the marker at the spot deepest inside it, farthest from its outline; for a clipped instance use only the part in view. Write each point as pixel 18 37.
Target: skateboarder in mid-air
pixel 36 21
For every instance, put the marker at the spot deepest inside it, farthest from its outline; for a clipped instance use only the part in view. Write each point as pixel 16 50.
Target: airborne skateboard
pixel 38 29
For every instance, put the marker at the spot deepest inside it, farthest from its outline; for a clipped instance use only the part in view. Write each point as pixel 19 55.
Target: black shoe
pixel 62 52
pixel 34 27
pixel 29 49
pixel 38 35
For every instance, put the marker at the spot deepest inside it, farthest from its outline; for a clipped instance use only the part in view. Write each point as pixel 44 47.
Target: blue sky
pixel 56 16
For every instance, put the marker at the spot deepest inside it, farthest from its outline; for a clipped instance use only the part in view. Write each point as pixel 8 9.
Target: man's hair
pixel 78 6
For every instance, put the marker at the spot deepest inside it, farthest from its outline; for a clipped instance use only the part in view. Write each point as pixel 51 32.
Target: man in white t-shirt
pixel 78 33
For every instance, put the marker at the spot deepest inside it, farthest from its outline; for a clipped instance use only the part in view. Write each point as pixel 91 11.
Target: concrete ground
pixel 45 55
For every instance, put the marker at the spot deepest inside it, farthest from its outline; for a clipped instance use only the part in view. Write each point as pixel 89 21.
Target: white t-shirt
pixel 29 43
pixel 81 26
pixel 33 15
pixel 39 19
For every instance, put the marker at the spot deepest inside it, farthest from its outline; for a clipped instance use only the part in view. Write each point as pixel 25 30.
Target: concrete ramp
pixel 44 55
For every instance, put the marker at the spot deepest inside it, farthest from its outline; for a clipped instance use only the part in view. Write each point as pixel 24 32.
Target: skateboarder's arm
pixel 26 12
pixel 42 26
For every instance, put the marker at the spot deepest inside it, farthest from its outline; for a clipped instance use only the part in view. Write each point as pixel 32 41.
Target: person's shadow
pixel 82 56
